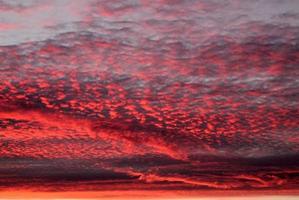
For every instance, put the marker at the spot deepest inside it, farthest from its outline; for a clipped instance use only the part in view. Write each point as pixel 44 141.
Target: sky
pixel 149 99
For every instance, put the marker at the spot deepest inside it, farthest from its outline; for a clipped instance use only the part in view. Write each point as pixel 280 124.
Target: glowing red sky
pixel 149 95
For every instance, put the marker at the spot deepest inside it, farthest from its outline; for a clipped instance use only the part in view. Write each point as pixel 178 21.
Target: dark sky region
pixel 149 99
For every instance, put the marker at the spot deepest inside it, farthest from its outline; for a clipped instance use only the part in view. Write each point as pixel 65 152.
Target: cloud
pixel 147 96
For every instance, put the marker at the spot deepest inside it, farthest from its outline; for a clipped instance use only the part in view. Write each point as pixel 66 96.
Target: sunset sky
pixel 149 99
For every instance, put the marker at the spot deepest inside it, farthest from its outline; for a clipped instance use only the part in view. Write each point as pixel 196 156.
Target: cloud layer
pixel 171 95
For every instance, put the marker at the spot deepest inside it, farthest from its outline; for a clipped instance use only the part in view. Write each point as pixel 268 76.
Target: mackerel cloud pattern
pixel 147 95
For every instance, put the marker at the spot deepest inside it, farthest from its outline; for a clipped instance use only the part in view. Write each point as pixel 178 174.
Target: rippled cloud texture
pixel 171 95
